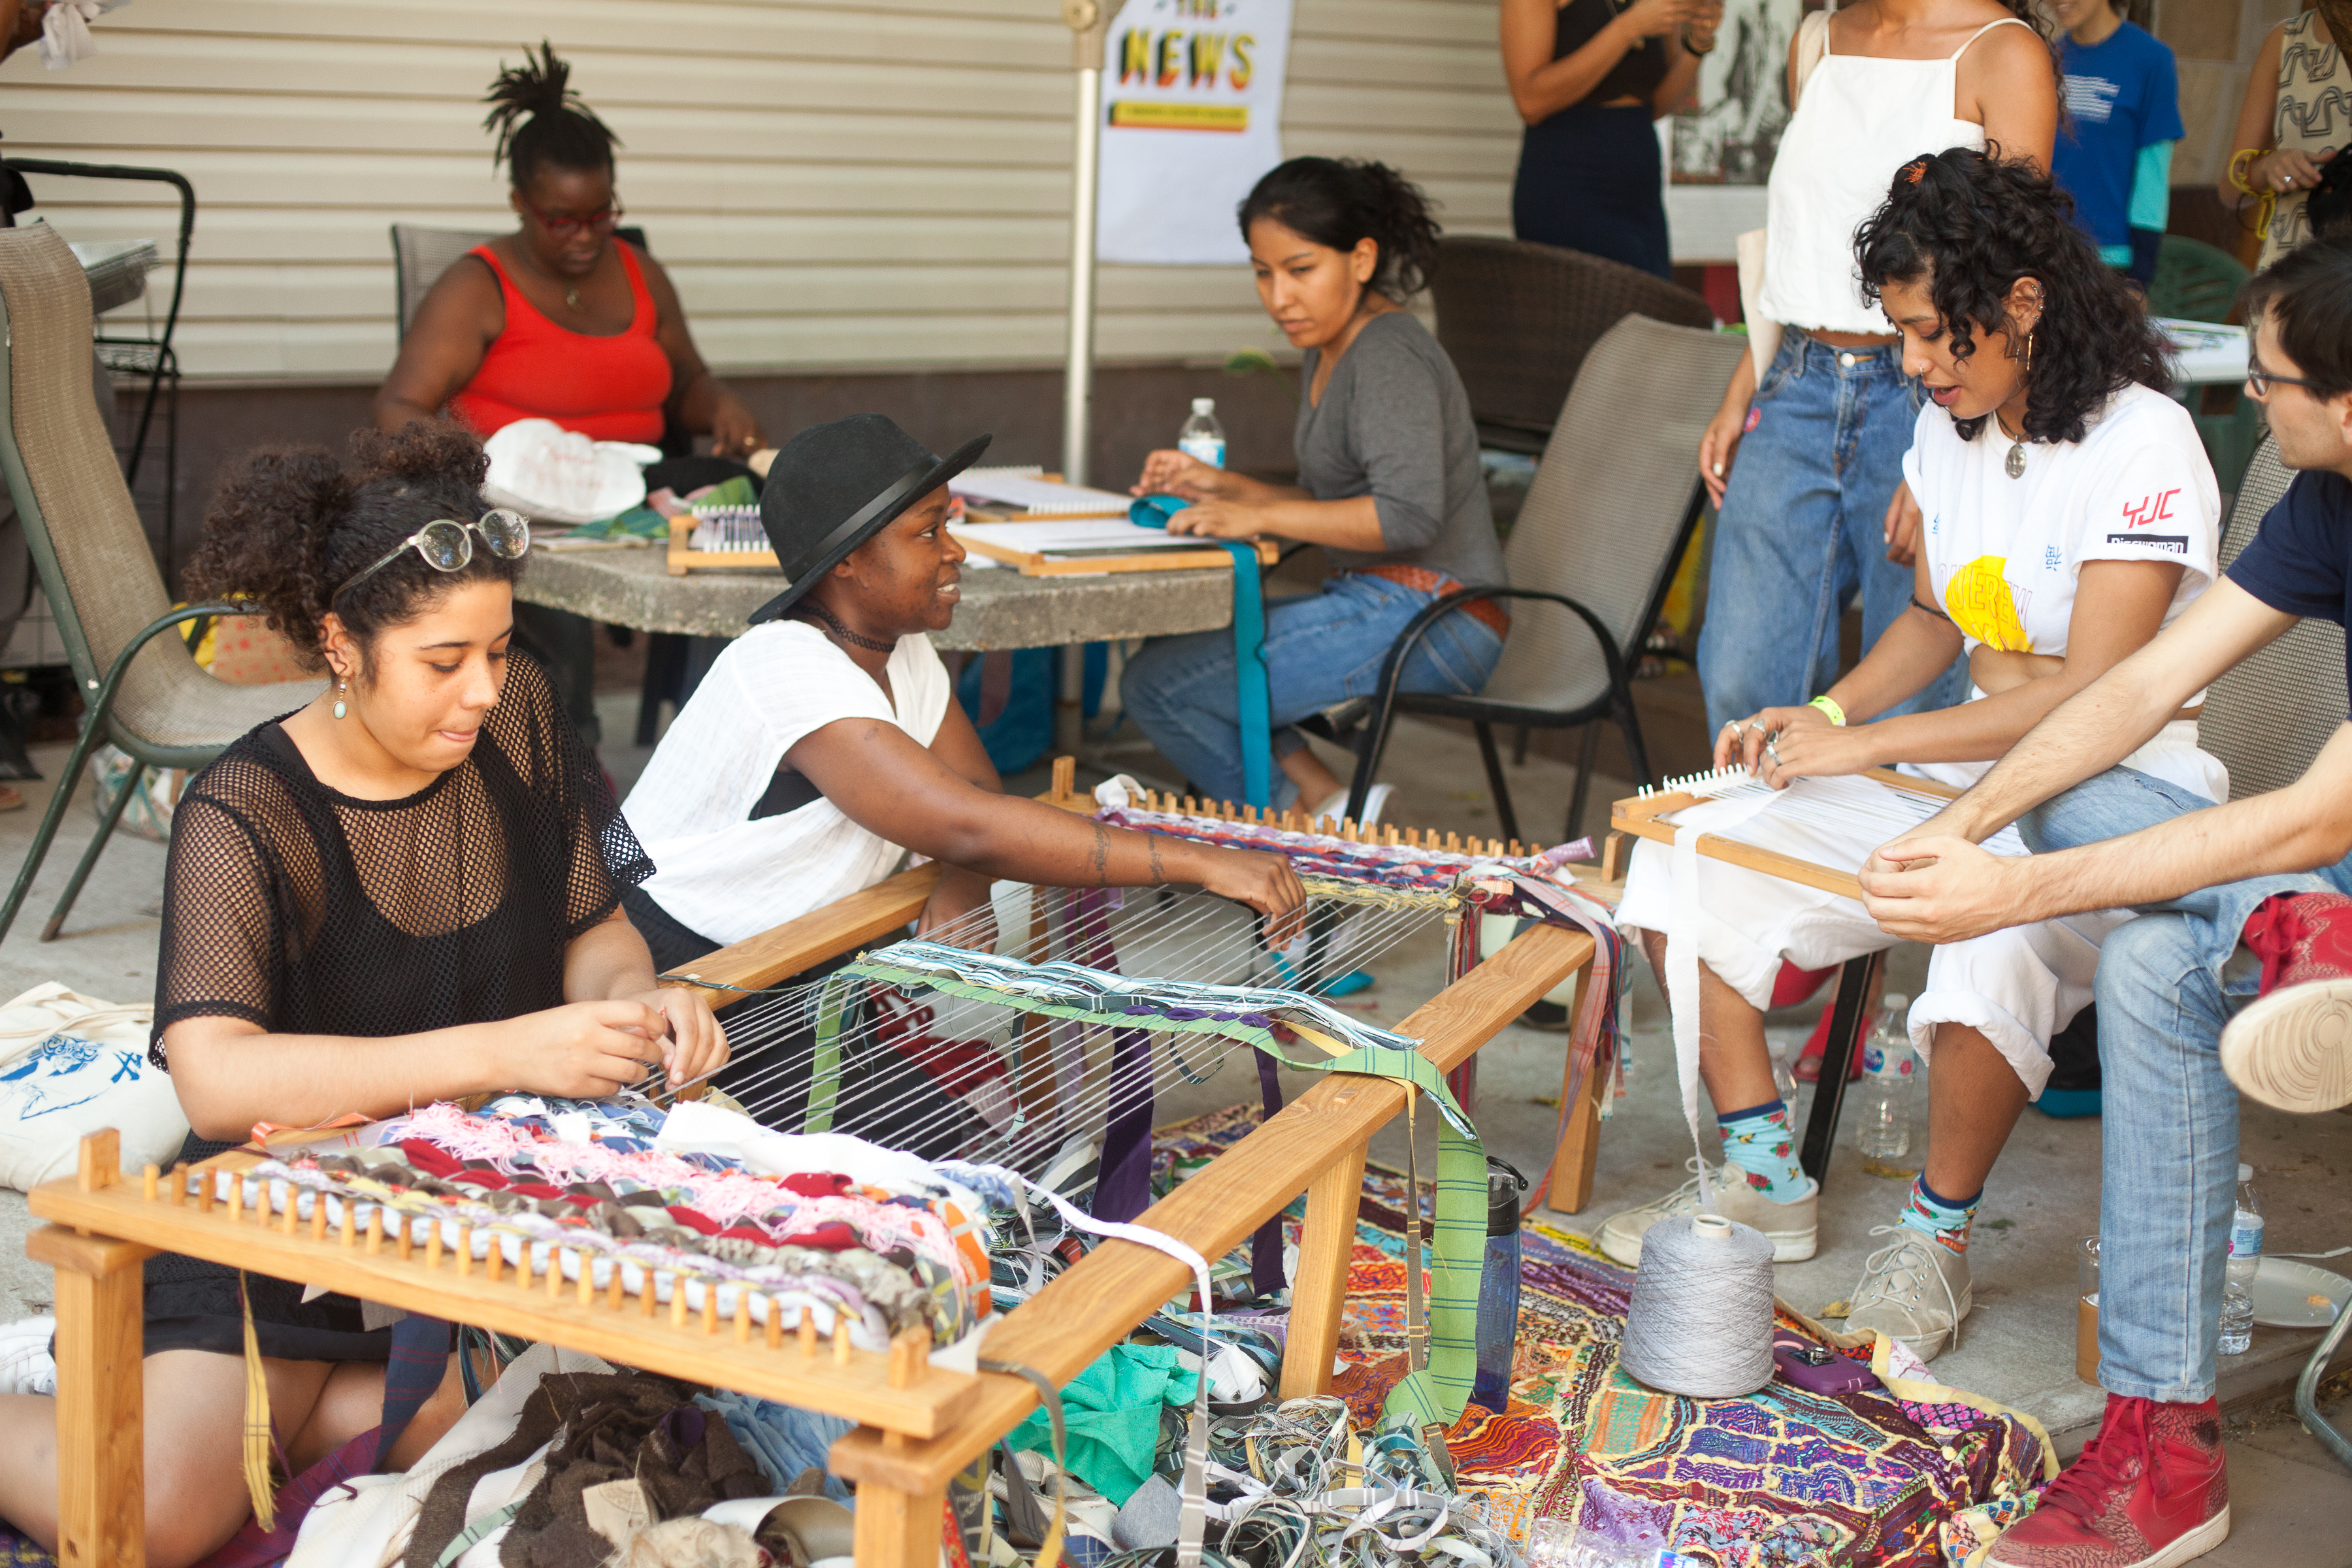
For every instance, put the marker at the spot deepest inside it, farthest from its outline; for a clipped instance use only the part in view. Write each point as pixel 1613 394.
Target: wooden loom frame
pixel 921 1425
pixel 1638 816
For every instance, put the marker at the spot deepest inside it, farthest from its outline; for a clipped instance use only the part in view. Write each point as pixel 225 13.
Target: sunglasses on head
pixel 447 545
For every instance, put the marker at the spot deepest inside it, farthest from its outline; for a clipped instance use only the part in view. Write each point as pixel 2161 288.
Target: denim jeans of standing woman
pixel 1321 649
pixel 1803 532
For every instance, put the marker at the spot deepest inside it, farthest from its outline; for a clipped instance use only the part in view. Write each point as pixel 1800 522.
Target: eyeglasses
pixel 602 221
pixel 2259 382
pixel 447 545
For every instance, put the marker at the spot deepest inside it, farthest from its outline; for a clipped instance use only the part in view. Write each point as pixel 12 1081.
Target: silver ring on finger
pixel 1772 749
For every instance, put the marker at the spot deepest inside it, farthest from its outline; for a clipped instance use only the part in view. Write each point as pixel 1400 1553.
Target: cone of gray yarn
pixel 1701 1320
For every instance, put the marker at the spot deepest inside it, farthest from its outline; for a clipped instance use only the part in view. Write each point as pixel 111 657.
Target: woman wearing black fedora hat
pixel 826 741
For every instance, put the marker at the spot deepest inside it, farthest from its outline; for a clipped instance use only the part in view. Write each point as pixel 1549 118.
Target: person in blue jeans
pixel 2194 995
pixel 1389 486
pixel 2123 116
pixel 1813 514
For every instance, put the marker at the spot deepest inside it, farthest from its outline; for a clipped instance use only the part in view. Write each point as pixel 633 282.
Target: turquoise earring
pixel 341 686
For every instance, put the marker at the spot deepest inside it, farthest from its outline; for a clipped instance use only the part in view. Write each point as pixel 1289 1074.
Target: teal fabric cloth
pixel 1111 1411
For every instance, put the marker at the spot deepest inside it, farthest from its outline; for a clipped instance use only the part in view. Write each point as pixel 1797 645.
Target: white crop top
pixel 1858 120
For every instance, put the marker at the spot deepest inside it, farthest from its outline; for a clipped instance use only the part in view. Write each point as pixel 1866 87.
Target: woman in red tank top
pixel 559 320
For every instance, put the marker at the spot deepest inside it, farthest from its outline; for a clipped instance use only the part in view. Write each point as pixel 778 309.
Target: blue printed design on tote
pixel 61 1072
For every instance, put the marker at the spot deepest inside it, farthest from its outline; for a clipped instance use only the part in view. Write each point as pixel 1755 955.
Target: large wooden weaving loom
pixel 921 1424
pixel 1646 815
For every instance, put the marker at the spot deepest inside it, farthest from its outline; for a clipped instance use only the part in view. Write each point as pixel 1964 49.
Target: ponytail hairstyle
pixel 292 525
pixel 1338 201
pixel 542 122
pixel 1971 223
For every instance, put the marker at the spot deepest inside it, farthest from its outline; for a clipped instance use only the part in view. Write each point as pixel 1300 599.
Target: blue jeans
pixel 1803 528
pixel 2169 1146
pixel 1321 648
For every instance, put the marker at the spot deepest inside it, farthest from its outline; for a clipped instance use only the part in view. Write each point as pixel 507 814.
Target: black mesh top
pixel 309 911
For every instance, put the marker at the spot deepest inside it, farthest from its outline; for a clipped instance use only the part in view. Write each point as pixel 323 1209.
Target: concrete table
pixel 1001 608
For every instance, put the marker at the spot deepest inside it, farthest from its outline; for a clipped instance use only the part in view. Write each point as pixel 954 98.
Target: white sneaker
pixel 1791 1228
pixel 1914 1291
pixel 1376 801
pixel 28 1365
pixel 2293 1048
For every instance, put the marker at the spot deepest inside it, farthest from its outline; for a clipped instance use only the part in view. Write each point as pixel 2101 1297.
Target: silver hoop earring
pixel 340 688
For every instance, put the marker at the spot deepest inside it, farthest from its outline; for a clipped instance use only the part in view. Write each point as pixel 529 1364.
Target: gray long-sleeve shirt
pixel 1394 424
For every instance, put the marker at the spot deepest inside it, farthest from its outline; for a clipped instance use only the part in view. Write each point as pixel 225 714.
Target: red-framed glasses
pixel 602 221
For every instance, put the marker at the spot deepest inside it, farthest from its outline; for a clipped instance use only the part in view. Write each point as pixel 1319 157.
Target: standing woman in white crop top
pixel 1807 515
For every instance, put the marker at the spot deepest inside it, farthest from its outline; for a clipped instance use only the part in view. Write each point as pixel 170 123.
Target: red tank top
pixel 608 389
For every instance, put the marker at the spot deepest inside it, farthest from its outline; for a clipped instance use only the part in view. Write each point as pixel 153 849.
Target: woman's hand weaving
pixel 698 1046
pixel 1218 520
pixel 582 1050
pixel 1779 745
pixel 1266 884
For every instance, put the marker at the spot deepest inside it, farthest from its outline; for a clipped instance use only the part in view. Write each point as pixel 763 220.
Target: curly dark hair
pixel 292 525
pixel 1336 201
pixel 541 121
pixel 1971 223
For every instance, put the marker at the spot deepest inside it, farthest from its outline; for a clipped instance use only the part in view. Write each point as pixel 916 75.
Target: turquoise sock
pixel 1759 1142
pixel 1940 1219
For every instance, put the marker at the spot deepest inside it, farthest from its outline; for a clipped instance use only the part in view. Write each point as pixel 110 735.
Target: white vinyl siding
pixel 876 183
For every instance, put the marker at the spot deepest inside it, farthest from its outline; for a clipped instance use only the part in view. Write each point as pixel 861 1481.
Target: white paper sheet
pixel 1024 490
pixel 1089 538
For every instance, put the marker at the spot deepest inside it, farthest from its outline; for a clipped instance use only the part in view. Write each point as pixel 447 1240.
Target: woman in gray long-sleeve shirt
pixel 1389 484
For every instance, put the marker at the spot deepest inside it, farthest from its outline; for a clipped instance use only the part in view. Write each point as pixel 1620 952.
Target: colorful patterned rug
pixel 1915 1475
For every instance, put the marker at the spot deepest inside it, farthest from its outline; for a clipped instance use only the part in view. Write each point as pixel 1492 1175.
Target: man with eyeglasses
pixel 2238 971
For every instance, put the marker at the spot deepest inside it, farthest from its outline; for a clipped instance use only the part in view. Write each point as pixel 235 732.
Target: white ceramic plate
pixel 2291 1295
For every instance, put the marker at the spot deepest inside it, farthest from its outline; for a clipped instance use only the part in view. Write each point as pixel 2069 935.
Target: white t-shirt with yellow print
pixel 2003 553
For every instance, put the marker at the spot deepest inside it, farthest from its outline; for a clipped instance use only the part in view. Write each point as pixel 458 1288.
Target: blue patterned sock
pixel 1940 1219
pixel 1759 1142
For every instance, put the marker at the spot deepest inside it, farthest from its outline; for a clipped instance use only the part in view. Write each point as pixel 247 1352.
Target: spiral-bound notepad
pixel 1026 492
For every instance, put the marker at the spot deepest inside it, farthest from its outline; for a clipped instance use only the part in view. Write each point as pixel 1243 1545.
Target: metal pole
pixel 1089 22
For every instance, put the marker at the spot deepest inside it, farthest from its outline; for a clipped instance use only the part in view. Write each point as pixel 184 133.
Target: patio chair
pixel 1518 319
pixel 1613 504
pixel 145 692
pixel 2267 719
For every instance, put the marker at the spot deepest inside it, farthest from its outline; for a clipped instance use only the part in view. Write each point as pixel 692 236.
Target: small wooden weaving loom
pixel 921 1424
pixel 1644 814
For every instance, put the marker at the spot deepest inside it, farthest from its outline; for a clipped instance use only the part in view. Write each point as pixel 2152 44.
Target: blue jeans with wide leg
pixel 2168 1138
pixel 1804 531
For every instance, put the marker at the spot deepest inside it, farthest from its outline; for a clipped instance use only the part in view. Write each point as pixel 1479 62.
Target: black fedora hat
pixel 833 487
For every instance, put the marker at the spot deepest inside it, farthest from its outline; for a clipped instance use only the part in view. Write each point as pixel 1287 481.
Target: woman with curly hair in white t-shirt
pixel 2068 513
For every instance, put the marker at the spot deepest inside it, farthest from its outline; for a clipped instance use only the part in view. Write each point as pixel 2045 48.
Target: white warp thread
pixel 1700 1321
pixel 1682 970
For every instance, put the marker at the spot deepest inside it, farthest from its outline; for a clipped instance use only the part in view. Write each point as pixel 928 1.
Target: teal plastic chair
pixel 2198 282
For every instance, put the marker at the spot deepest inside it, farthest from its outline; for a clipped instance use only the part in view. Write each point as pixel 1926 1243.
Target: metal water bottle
pixel 1498 1288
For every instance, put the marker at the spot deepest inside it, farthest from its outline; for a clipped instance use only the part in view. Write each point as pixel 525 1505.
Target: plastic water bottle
pixel 1498 1288
pixel 2245 1258
pixel 1784 1082
pixel 1203 436
pixel 1888 1065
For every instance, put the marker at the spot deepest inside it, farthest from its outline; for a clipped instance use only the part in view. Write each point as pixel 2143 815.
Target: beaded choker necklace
pixel 833 624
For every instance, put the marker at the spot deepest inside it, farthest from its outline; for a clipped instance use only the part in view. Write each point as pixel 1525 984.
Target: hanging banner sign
pixel 1191 117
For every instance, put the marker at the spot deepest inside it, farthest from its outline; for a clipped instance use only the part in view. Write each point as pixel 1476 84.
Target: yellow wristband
pixel 1836 714
pixel 2240 172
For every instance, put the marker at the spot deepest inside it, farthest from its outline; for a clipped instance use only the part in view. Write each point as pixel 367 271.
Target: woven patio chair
pixel 1517 318
pixel 1612 508
pixel 145 692
pixel 2268 718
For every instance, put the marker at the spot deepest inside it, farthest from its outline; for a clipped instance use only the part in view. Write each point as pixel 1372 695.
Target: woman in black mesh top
pixel 408 890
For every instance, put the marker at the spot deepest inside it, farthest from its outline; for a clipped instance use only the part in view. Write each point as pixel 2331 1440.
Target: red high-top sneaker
pixel 2148 1492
